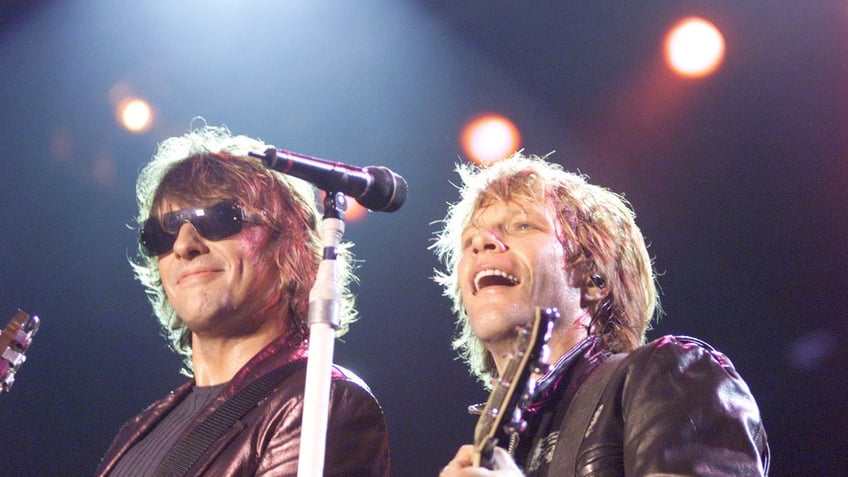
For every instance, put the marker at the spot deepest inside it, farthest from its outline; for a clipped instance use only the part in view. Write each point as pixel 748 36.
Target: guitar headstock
pixel 14 341
pixel 516 386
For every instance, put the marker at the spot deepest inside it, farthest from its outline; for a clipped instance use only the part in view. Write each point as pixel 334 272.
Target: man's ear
pixel 594 290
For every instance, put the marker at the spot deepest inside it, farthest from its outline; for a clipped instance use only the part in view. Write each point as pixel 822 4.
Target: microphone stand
pixel 324 310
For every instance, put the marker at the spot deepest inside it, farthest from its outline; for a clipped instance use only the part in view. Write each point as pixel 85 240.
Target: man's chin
pixel 497 325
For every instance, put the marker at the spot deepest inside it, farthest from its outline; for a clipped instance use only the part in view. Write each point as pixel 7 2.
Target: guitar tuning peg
pixel 516 427
pixel 31 325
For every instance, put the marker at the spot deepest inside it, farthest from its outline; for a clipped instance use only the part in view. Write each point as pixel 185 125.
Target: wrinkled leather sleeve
pixel 686 411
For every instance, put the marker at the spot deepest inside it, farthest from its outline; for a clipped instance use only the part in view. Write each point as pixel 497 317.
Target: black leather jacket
pixel 672 407
pixel 266 441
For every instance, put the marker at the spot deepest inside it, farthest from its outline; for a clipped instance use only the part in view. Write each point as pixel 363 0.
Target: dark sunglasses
pixel 212 223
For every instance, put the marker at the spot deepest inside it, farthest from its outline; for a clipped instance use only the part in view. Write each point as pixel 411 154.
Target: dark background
pixel 738 180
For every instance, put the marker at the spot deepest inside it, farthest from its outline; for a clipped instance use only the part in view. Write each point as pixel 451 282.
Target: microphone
pixel 375 187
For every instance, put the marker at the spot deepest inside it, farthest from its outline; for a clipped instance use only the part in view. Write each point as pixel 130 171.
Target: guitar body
pixel 516 387
pixel 14 341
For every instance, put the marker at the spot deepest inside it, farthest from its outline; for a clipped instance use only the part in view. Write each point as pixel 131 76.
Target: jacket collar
pixel 564 370
pixel 277 353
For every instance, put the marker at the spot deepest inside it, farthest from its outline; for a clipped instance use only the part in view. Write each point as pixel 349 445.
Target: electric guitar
pixel 14 341
pixel 515 387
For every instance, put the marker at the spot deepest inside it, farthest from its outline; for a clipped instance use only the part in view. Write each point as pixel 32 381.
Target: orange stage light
pixel 694 47
pixel 489 138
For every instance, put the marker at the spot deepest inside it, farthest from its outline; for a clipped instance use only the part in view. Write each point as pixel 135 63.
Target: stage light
pixel 489 138
pixel 694 47
pixel 135 115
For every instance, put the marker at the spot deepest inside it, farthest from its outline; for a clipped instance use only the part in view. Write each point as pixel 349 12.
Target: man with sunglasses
pixel 229 251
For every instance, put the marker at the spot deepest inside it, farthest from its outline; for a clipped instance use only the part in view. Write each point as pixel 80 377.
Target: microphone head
pixel 386 193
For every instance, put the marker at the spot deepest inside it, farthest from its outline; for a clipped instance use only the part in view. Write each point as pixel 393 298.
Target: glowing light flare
pixel 105 169
pixel 694 47
pixel 354 212
pixel 62 144
pixel 489 138
pixel 135 115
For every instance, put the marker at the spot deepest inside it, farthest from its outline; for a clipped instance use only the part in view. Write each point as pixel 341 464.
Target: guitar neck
pixel 515 387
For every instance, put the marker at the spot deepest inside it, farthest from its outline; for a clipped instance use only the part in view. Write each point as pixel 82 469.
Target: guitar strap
pixel 578 418
pixel 187 451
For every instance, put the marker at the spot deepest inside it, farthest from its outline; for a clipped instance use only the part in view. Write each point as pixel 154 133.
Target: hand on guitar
pixel 461 465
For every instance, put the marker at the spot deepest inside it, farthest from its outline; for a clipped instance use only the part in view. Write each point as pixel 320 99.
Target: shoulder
pixel 684 374
pixel 343 375
pixel 349 391
pixel 349 398
pixel 681 392
pixel 345 384
pixel 672 342
pixel 681 353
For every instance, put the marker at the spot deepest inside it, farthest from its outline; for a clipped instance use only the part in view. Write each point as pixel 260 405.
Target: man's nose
pixel 487 240
pixel 189 242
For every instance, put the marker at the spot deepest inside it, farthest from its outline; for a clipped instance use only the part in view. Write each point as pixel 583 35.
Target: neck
pixel 216 360
pixel 563 340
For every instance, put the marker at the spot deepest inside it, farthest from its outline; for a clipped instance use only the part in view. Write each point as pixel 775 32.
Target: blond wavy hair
pixel 599 237
pixel 208 165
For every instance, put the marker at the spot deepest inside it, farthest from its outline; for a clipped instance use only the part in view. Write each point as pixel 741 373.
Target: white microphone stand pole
pixel 324 310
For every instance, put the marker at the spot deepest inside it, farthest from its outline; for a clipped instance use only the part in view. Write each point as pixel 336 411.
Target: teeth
pixel 493 273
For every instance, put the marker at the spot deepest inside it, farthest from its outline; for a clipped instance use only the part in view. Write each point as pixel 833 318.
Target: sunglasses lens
pixel 219 221
pixel 213 223
pixel 154 239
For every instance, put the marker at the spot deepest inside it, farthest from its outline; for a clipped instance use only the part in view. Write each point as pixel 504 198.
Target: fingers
pixel 504 462
pixel 461 460
pixel 461 464
pixel 465 455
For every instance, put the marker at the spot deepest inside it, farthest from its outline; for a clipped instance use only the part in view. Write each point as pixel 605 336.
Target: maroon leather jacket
pixel 266 441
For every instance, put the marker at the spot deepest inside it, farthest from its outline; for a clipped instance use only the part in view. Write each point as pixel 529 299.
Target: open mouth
pixel 492 277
